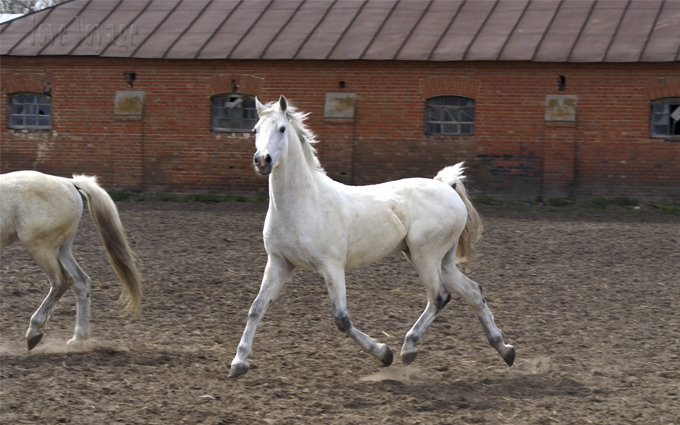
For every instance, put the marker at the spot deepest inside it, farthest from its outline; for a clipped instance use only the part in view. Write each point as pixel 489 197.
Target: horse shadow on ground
pixel 485 393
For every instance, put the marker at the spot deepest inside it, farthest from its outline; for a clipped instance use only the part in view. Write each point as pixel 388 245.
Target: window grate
pixel 454 115
pixel 665 119
pixel 30 111
pixel 232 113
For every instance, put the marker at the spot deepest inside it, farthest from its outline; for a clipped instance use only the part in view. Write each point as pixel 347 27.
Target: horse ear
pixel 259 106
pixel 283 103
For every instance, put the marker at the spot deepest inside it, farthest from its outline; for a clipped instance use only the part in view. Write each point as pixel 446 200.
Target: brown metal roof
pixel 438 30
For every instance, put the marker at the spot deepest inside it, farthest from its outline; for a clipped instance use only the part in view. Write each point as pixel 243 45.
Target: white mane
pixel 304 133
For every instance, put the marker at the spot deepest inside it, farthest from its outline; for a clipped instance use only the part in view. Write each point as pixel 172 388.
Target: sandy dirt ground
pixel 590 299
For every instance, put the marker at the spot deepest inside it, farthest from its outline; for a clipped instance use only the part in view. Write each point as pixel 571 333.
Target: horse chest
pixel 304 242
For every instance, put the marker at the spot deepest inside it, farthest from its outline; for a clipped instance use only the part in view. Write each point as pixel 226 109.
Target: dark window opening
pixel 234 113
pixel 453 115
pixel 665 119
pixel 30 111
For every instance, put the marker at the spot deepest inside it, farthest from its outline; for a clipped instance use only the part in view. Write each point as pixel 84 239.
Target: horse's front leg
pixel 276 273
pixel 335 280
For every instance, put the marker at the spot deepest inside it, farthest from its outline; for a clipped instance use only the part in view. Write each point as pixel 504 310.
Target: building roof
pixel 430 30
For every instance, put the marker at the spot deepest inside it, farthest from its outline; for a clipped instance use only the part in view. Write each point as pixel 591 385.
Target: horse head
pixel 270 135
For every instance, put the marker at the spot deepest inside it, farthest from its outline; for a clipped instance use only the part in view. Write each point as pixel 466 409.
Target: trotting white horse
pixel 43 212
pixel 318 224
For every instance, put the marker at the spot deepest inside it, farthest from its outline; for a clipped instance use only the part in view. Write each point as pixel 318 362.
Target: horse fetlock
pixel 343 323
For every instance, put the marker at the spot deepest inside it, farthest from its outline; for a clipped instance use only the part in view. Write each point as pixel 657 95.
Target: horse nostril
pixel 255 160
pixel 268 159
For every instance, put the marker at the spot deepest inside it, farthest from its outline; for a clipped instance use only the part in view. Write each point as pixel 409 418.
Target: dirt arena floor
pixel 590 299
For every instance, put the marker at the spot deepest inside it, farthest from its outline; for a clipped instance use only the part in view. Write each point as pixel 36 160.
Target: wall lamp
pixel 130 78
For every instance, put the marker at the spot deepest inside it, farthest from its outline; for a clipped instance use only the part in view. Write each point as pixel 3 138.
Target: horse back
pixel 38 209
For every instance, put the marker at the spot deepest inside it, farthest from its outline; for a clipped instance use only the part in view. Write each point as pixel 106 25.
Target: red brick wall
pixel 514 152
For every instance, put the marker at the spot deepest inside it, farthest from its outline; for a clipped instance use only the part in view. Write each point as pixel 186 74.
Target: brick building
pixel 552 98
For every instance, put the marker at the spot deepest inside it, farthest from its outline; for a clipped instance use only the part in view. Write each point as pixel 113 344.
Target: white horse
pixel 318 224
pixel 43 212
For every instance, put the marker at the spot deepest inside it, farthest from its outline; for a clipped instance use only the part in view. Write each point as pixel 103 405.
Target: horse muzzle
pixel 262 164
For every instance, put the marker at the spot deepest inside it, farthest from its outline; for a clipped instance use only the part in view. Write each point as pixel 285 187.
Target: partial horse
pixel 43 212
pixel 318 224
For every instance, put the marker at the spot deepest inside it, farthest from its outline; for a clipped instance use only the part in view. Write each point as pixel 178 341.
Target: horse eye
pixel 282 129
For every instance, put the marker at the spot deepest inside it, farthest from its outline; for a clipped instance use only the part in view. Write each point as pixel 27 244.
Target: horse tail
pixel 105 216
pixel 472 233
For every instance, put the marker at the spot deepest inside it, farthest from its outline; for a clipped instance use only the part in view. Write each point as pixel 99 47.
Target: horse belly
pixel 375 240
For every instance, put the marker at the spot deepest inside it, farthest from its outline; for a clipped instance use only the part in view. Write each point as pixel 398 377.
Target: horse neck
pixel 295 180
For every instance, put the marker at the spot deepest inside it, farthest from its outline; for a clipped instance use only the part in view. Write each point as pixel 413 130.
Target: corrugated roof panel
pixel 201 29
pixel 359 35
pixel 529 31
pixel 395 30
pixel 294 34
pixel 664 43
pixel 145 25
pixel 563 31
pixel 440 30
pixel 496 31
pixel 467 23
pixel 635 28
pixel 430 30
pixel 598 33
pixel 321 41
pixel 61 38
pixel 272 21
pixel 172 28
pixel 236 27
pixel 26 36
pixel 101 23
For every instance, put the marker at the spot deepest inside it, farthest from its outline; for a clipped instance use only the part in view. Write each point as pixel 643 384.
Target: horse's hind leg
pixel 81 289
pixel 60 280
pixel 471 291
pixel 437 297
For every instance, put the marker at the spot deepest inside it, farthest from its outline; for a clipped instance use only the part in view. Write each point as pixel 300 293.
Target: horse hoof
pixel 409 357
pixel 238 369
pixel 32 341
pixel 509 357
pixel 75 341
pixel 388 357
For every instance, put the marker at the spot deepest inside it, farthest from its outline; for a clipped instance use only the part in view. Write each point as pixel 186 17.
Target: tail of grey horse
pixel 105 216
pixel 472 233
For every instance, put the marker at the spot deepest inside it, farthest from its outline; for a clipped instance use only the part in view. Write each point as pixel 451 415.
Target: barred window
pixel 234 113
pixel 665 118
pixel 453 115
pixel 30 111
